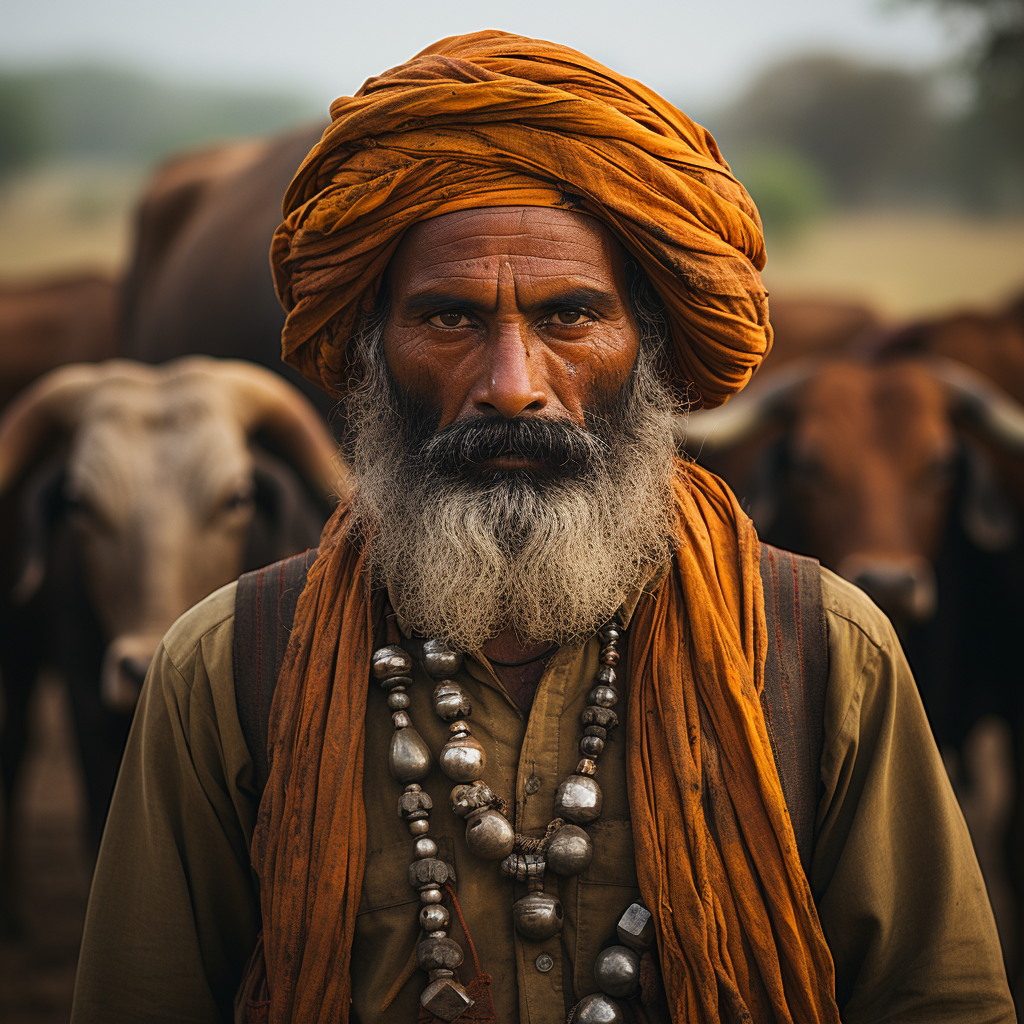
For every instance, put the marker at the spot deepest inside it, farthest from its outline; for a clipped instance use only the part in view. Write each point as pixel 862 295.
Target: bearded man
pixel 513 266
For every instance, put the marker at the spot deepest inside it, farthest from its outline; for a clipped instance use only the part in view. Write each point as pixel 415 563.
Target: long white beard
pixel 464 558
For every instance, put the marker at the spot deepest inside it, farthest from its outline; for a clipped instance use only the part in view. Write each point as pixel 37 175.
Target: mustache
pixel 560 445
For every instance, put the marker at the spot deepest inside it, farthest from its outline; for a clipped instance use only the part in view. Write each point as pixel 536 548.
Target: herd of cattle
pixel 143 464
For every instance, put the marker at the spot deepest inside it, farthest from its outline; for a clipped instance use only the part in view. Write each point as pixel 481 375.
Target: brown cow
pixel 887 472
pixel 200 278
pixel 47 323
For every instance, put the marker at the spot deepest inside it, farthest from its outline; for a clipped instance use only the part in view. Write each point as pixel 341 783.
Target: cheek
pixel 601 369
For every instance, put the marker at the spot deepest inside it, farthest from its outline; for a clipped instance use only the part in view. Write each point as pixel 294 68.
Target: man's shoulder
pixel 849 612
pixel 214 616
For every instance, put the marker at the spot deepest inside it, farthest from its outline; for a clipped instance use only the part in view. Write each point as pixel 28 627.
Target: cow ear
pixel 288 518
pixel 42 502
pixel 987 514
pixel 762 490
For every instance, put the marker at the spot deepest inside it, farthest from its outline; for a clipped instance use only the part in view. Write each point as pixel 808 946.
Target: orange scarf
pixel 738 934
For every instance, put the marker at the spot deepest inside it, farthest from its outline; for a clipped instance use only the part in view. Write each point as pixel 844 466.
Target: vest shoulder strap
pixel 796 668
pixel 264 610
pixel 795 681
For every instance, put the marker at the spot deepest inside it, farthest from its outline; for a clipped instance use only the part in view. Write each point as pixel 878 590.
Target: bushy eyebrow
pixel 439 298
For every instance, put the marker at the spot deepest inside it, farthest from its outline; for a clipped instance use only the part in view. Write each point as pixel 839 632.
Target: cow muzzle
pixel 125 664
pixel 904 588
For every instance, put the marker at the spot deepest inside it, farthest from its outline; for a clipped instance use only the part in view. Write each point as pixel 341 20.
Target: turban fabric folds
pixel 493 119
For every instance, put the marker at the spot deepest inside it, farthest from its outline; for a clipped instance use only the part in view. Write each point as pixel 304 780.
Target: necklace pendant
pixel 569 851
pixel 578 799
pixel 462 757
pixel 489 834
pixel 537 916
pixel 409 757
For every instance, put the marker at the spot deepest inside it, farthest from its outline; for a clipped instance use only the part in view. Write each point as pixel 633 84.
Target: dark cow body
pixel 53 321
pixel 200 282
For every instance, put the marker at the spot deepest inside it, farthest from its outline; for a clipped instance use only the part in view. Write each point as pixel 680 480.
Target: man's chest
pixel 536 981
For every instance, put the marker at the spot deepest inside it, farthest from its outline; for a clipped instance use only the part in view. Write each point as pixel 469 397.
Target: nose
pixel 508 385
pixel 904 589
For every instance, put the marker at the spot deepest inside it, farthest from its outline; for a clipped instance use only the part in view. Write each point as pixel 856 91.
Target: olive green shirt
pixel 173 915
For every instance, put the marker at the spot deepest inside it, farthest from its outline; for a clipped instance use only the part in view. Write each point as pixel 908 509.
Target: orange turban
pixel 493 119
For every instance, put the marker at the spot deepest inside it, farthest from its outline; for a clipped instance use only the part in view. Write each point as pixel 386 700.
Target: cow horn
pixel 742 416
pixel 50 405
pixel 985 403
pixel 265 401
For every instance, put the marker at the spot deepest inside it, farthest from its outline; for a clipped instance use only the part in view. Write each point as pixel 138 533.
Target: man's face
pixel 510 312
pixel 511 442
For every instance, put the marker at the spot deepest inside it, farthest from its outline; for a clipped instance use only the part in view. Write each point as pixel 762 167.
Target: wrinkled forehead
pixel 531 243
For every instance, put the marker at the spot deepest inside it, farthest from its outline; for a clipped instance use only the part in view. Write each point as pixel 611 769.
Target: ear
pixel 987 515
pixel 41 503
pixel 288 518
pixel 762 491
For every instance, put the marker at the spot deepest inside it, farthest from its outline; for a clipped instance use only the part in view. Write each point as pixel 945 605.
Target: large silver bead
pixel 429 873
pixel 439 660
pixel 596 1009
pixel 433 916
pixel 436 952
pixel 537 916
pixel 390 661
pixel 489 834
pixel 617 971
pixel 409 758
pixel 446 999
pixel 462 757
pixel 578 799
pixel 636 927
pixel 450 701
pixel 569 851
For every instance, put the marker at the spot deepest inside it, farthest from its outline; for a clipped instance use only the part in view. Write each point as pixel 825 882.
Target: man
pixel 511 263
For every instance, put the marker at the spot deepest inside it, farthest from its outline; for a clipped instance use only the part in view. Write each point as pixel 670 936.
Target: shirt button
pixel 544 963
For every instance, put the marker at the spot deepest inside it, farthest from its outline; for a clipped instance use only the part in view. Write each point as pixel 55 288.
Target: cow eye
pixel 240 501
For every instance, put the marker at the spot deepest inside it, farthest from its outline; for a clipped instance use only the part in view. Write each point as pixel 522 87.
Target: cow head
pixel 869 456
pixel 160 484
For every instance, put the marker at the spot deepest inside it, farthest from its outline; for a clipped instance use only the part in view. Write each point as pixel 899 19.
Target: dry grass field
pixel 67 217
pixel 904 264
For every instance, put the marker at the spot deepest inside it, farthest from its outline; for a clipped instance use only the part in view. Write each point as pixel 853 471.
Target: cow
pixel 48 322
pixel 901 474
pixel 199 280
pixel 144 488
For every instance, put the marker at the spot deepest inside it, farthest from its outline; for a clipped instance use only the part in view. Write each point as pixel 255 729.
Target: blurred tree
pixel 788 189
pixel 21 137
pixel 991 135
pixel 102 112
pixel 867 131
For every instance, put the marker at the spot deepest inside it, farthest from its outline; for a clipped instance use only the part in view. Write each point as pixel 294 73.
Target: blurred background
pixel 889 126
pixel 883 141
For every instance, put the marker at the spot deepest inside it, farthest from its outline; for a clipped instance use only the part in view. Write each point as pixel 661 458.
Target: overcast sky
pixel 696 51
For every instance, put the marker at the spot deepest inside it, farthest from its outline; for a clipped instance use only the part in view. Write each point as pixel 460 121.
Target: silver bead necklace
pixel 565 849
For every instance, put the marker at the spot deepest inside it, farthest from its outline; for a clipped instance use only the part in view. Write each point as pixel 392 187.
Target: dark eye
pixel 450 318
pixel 238 502
pixel 570 317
